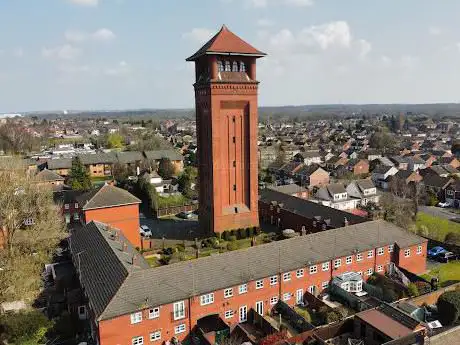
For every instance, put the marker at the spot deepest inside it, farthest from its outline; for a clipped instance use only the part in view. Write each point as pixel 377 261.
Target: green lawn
pixel 96 179
pixel 171 201
pixel 447 273
pixel 435 227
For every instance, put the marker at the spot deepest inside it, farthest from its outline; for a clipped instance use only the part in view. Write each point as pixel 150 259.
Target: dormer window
pixel 242 67
pixel 228 67
pixel 235 66
pixel 220 66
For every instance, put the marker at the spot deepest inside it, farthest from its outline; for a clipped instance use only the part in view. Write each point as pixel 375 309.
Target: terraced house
pixel 130 303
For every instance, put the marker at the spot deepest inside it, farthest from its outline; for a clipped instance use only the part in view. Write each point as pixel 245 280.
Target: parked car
pixel 435 251
pixel 184 215
pixel 446 257
pixel 145 231
pixel 444 204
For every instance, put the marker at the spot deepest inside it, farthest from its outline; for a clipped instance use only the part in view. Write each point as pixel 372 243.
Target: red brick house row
pixel 133 304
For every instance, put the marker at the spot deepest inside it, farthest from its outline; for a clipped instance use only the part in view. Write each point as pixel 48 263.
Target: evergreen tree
pixel 79 178
pixel 165 168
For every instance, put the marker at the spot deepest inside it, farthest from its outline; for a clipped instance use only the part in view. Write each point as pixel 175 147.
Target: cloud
pixel 315 38
pixel 199 35
pixel 364 48
pixel 102 34
pixel 88 3
pixel 64 52
pixel 18 52
pixel 266 3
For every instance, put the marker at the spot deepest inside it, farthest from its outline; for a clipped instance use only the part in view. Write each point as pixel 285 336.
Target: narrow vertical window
pixel 242 67
pixel 220 66
pixel 235 66
pixel 228 66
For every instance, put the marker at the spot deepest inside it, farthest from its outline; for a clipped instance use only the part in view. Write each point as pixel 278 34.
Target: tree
pixel 32 227
pixel 79 178
pixel 25 328
pixel 120 172
pixel 165 168
pixel 114 141
pixel 381 140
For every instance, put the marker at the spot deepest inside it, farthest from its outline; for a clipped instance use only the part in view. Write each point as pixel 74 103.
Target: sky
pixel 129 54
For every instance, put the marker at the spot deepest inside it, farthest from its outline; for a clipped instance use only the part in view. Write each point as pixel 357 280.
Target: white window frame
pixel 136 317
pixel 379 268
pixel 359 257
pixel 391 248
pixel 228 293
pixel 155 336
pixel 273 280
pixel 349 260
pixel 370 254
pixel 369 271
pixel 180 328
pixel 337 263
pixel 243 317
pixel 243 288
pixel 325 266
pixel 137 341
pixel 407 252
pixel 179 310
pixel 273 300
pixel 299 273
pixel 229 314
pixel 66 206
pixel 419 250
pixel 286 276
pixel 259 284
pixel 313 269
pixel 154 313
pixel 380 251
pixel 76 205
pixel 286 296
pixel 325 285
pixel 207 299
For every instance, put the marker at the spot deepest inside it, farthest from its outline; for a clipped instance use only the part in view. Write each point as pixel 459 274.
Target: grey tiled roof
pixel 158 154
pixel 102 265
pixel 309 209
pixel 60 163
pixel 289 189
pixel 48 175
pixel 106 196
pixel 129 157
pixel 167 284
pixel 98 158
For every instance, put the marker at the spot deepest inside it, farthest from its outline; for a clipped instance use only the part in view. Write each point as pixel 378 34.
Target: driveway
pixel 173 228
pixel 438 212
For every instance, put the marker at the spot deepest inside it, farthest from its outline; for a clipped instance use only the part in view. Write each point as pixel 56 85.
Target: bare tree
pixel 31 227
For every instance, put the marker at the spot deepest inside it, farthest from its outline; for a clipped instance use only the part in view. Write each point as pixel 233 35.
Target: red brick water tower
pixel 226 119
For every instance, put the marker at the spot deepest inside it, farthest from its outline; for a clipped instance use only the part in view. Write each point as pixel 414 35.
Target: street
pixel 438 212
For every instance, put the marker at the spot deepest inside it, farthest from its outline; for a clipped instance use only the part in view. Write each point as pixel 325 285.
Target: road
pixel 438 212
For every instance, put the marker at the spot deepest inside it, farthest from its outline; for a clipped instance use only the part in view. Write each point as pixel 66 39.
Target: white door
pixel 299 296
pixel 243 313
pixel 260 307
pixel 312 290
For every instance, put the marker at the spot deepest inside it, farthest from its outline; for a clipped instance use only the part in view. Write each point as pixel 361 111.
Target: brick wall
pixel 415 262
pixel 125 218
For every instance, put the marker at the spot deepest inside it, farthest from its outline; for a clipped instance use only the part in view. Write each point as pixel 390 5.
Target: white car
pixel 145 231
pixel 444 204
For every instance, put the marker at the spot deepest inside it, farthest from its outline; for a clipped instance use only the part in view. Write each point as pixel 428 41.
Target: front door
pixel 260 307
pixel 299 296
pixel 243 313
pixel 312 290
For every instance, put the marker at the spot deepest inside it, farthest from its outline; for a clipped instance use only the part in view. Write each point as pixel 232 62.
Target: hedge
pixel 449 307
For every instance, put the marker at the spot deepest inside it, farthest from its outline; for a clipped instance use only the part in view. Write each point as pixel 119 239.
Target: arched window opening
pixel 235 66
pixel 220 66
pixel 242 67
pixel 228 67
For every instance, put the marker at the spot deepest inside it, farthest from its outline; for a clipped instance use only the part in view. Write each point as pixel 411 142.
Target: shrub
pixel 234 232
pixel 25 327
pixel 389 295
pixel 180 248
pixel 250 232
pixel 232 246
pixel 226 235
pixel 232 238
pixel 449 307
pixel 333 316
pixel 257 230
pixel 242 233
pixel 413 290
pixel 453 238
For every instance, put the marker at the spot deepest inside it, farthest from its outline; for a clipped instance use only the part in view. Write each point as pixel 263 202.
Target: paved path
pixel 439 212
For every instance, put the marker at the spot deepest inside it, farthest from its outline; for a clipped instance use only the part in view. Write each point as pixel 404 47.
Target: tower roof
pixel 226 42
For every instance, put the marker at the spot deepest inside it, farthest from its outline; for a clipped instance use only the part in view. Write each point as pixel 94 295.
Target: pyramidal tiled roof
pixel 226 41
pixel 106 196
